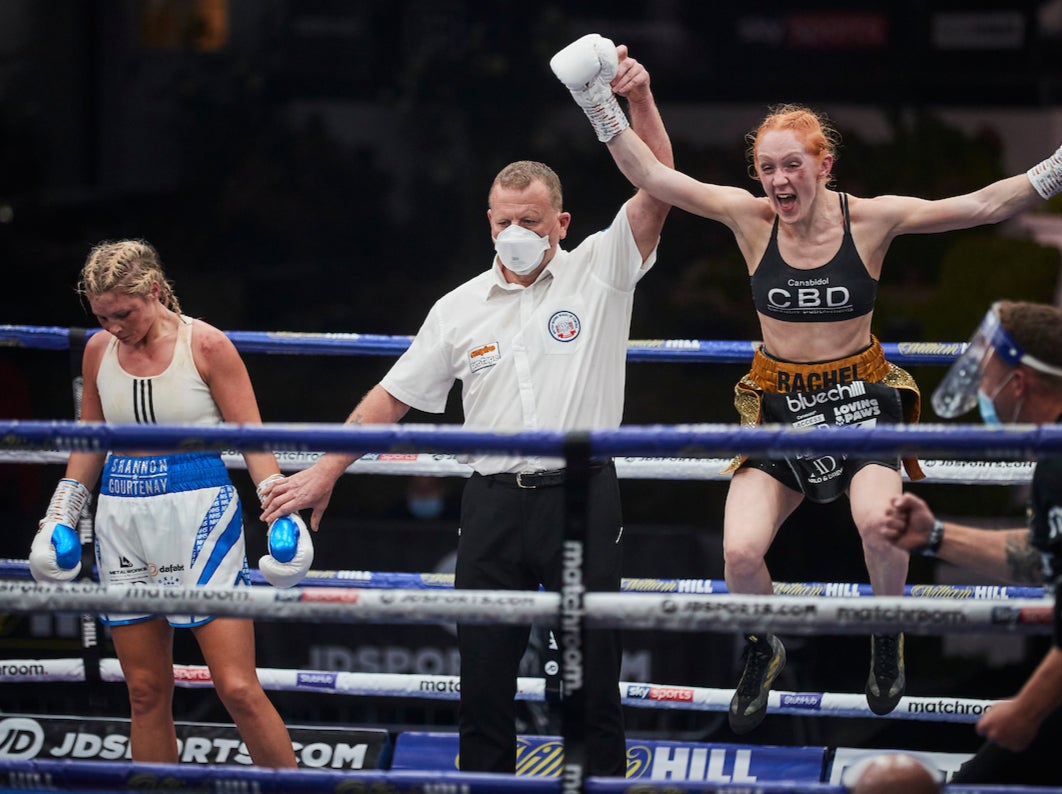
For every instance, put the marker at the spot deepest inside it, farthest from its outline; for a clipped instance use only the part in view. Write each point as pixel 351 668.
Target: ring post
pixel 573 612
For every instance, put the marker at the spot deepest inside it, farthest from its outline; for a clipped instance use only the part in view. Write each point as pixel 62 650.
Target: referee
pixel 539 342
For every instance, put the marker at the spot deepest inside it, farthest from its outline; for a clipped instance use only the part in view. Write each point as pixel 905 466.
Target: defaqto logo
pixel 155 570
pixel 805 700
pixel 20 738
pixel 321 680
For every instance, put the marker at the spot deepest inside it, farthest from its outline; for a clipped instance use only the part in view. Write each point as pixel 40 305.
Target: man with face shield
pixel 1011 370
pixel 539 342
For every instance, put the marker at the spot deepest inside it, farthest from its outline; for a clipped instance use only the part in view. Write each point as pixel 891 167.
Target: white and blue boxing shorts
pixel 169 521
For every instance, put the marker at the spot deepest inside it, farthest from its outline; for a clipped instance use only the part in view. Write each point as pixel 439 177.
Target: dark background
pixel 323 166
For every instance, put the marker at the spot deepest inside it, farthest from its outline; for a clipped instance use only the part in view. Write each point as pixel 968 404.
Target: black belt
pixel 542 479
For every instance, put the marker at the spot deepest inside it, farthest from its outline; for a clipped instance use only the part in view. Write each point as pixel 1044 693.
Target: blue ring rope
pixel 328 344
pixel 1007 442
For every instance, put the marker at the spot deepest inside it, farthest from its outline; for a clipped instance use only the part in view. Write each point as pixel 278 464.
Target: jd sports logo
pixel 20 738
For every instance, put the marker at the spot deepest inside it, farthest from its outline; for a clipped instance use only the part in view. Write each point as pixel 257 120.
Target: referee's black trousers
pixel 512 539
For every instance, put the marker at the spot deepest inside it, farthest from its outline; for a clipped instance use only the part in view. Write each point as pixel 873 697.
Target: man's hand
pixel 309 488
pixel 632 79
pixel 1009 725
pixel 908 522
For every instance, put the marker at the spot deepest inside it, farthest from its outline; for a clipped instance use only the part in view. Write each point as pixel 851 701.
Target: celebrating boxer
pixel 814 256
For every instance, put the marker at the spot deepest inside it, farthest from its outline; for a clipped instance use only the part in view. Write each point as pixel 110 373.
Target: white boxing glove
pixel 1046 176
pixel 55 554
pixel 586 67
pixel 290 552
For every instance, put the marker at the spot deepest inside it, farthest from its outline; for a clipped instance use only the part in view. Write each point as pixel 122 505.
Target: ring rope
pixel 447 687
pixel 775 441
pixel 399 580
pixel 958 472
pixel 113 776
pixel 676 612
pixel 296 343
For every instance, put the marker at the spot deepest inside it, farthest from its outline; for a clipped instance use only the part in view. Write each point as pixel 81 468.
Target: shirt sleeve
pixel 423 376
pixel 613 254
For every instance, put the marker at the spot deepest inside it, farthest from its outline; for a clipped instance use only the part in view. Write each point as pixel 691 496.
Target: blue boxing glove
pixel 290 552
pixel 55 554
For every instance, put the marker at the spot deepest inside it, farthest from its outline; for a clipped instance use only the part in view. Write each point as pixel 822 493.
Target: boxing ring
pixel 658 451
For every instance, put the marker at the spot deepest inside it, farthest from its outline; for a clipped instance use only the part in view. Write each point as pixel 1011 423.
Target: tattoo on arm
pixel 1023 561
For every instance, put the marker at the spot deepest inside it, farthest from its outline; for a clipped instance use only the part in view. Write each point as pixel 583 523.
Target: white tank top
pixel 176 396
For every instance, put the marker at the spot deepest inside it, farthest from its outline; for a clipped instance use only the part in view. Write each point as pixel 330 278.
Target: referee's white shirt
pixel 551 356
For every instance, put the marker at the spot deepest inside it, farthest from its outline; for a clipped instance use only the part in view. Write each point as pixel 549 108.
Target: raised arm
pixel 645 212
pixel 593 70
pixel 1003 199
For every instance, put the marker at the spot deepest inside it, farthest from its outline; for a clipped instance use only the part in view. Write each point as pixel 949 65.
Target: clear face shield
pixel 957 393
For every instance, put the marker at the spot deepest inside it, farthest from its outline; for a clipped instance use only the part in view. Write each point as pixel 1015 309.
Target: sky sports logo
pixel 673 694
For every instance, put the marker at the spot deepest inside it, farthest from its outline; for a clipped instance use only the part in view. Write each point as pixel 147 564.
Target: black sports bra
pixel 839 290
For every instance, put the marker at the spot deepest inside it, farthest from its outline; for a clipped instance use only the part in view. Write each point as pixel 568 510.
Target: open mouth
pixel 786 201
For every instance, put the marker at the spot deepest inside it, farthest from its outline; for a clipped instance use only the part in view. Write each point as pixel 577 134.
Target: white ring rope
pixel 675 612
pixel 448 687
pixel 958 472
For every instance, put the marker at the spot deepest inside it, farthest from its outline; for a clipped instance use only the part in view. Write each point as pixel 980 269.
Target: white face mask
pixel 520 249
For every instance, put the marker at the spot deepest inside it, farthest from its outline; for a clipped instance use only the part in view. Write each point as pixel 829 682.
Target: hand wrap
pixel 262 489
pixel 586 67
pixel 1046 176
pixel 55 554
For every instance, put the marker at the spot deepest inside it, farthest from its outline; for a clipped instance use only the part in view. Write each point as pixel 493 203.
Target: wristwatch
pixel 932 545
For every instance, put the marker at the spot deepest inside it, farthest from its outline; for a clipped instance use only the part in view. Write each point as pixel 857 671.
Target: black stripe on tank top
pixel 143 402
